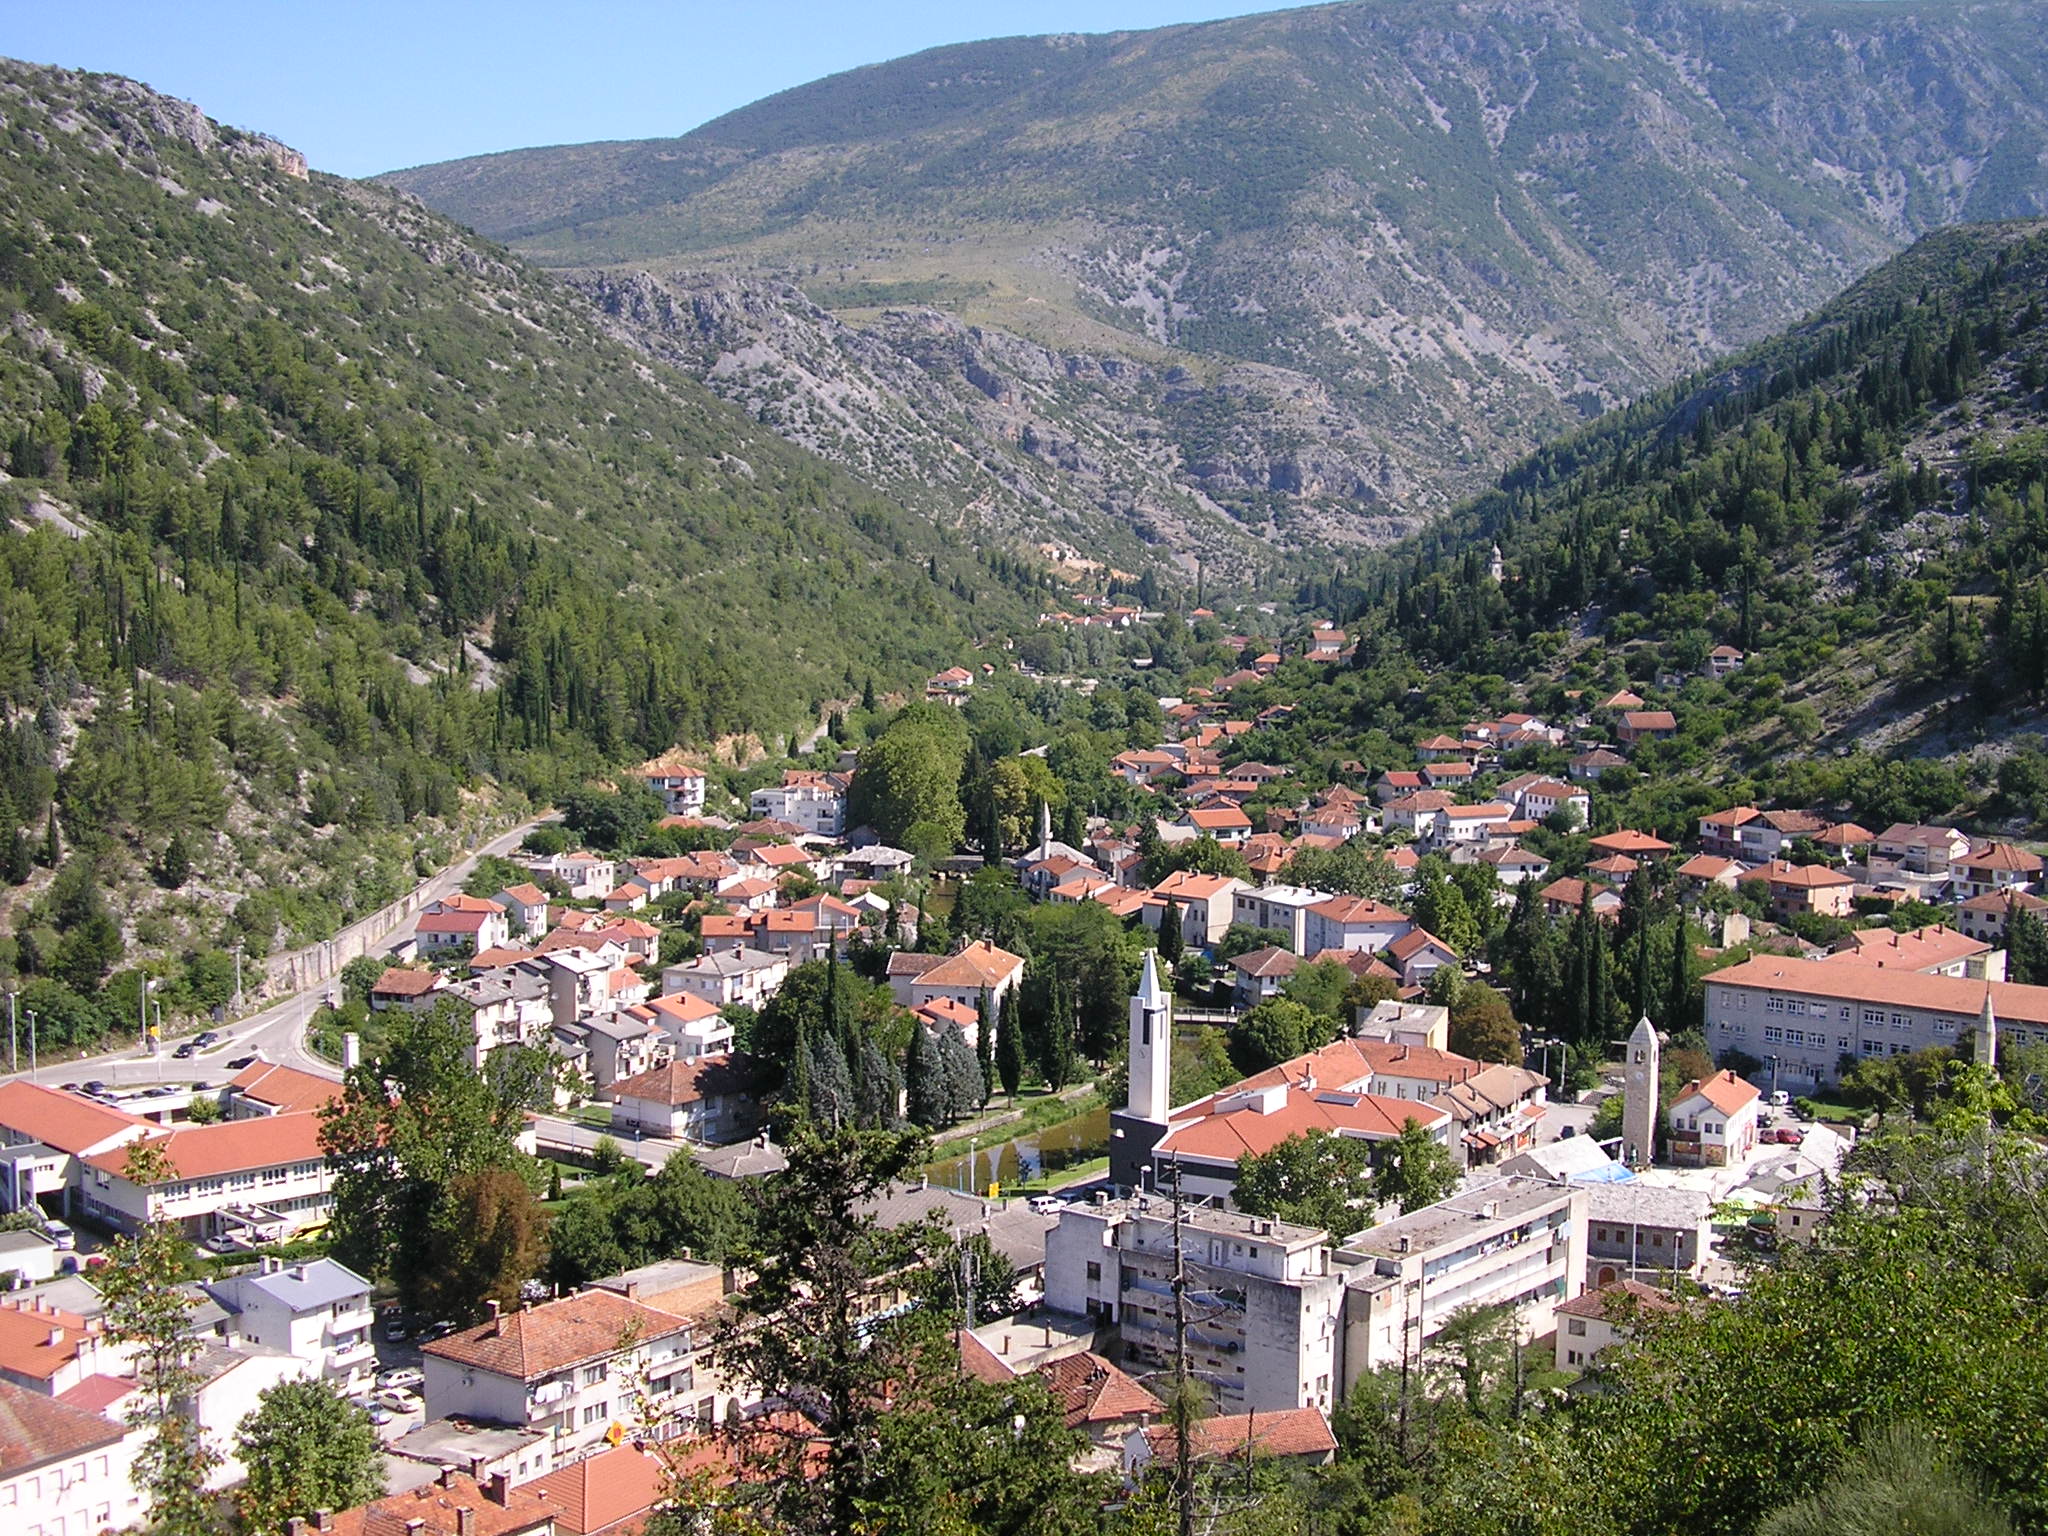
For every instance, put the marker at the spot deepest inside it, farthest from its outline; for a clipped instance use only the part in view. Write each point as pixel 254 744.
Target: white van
pixel 58 1233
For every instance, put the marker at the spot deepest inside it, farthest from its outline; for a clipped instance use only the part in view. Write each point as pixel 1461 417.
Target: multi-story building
pixel 572 1368
pixel 318 1311
pixel 1263 1301
pixel 814 801
pixel 1353 923
pixel 680 781
pixel 1913 854
pixel 1633 1227
pixel 1806 1016
pixel 1281 908
pixel 1516 1242
pixel 256 1181
pixel 64 1471
pixel 1206 904
pixel 45 1134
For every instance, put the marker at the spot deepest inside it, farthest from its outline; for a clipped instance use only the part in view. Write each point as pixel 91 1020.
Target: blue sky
pixel 372 86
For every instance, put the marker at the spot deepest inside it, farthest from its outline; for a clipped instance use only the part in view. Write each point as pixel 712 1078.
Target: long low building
pixel 1808 1015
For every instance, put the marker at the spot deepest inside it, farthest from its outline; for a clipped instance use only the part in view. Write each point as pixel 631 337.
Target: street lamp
pixel 1774 1073
pixel 13 1002
pixel 237 952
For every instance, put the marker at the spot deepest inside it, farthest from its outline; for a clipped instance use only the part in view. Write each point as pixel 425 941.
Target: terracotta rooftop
pixel 1630 841
pixel 37 1341
pixel 1090 1390
pixel 66 1121
pixel 1615 1301
pixel 454 1504
pixel 231 1146
pixel 1867 984
pixel 1724 1090
pixel 36 1430
pixel 980 964
pixel 601 1493
pixel 1285 1432
pixel 287 1088
pixel 1920 950
pixel 544 1338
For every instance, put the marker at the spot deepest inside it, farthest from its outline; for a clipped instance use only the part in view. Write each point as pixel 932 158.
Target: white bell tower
pixel 1151 1047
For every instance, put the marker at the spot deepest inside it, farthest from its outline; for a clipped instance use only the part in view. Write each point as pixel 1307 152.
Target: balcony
pixel 344 1327
pixel 344 1358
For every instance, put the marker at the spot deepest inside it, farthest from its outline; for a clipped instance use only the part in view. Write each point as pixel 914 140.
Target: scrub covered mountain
pixel 329 527
pixel 1303 276
pixel 1859 505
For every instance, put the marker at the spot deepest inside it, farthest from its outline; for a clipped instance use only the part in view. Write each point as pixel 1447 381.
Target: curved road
pixel 277 1031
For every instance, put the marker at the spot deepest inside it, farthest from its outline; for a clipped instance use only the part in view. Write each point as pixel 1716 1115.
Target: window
pixel 1873 1047
pixel 1575 1326
pixel 595 1413
pixel 593 1374
pixel 1874 1017
pixel 1773 1035
pixel 1774 1004
pixel 1094 1270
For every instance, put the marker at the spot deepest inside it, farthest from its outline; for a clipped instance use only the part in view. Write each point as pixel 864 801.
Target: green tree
pixel 909 777
pixel 174 867
pixel 1415 1169
pixel 1171 939
pixel 406 1129
pixel 148 1312
pixel 924 1080
pixel 1009 1046
pixel 490 1243
pixel 1313 1179
pixel 1274 1031
pixel 305 1448
pixel 1321 987
pixel 1483 1026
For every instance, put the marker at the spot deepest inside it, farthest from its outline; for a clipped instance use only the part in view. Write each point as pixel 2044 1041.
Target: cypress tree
pixel 1171 941
pixel 1678 990
pixel 16 862
pixel 52 850
pixel 985 1046
pixel 1009 1046
pixel 923 1079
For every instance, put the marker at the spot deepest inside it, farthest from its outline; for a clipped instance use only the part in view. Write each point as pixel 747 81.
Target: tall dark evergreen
pixel 985 1045
pixel 924 1080
pixel 1009 1045
pixel 1171 940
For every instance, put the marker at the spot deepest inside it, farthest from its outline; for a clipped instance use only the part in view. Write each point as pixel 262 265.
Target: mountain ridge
pixel 1467 231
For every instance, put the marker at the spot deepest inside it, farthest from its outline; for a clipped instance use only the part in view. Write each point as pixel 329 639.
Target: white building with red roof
pixel 1205 902
pixel 1714 1121
pixel 260 1180
pixel 45 1133
pixel 1353 923
pixel 461 923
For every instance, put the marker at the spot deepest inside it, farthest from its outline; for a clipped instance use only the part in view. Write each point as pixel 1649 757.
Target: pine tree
pixel 959 1074
pixel 1678 987
pixel 52 849
pixel 985 1046
pixel 17 863
pixel 1009 1046
pixel 867 695
pixel 175 867
pixel 833 1101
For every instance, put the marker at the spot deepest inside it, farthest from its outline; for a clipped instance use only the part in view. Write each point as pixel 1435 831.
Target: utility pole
pixel 1183 1405
pixel 31 1043
pixel 13 1022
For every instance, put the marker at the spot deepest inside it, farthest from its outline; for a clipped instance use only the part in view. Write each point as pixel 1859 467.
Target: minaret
pixel 1138 1127
pixel 1639 1091
pixel 1151 1046
pixel 1044 830
pixel 1495 566
pixel 1986 1043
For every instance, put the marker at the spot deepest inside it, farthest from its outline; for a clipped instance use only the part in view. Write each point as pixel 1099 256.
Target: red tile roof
pixel 603 1492
pixel 1090 1390
pixel 62 1120
pixel 1285 1432
pixel 1724 1090
pixel 438 1508
pixel 286 1087
pixel 980 964
pixel 36 1430
pixel 542 1339
pixel 1630 841
pixel 232 1146
pixel 1616 1301
pixel 687 1082
pixel 397 981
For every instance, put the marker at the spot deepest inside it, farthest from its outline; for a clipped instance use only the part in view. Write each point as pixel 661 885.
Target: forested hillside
pixel 330 526
pixel 1304 276
pixel 1860 505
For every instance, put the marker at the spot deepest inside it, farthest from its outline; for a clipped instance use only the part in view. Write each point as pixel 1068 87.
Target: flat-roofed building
pixel 1515 1242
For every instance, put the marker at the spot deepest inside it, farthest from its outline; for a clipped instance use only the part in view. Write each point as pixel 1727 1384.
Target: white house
pixel 692 1026
pixel 814 801
pixel 1282 908
pixel 1714 1121
pixel 465 924
pixel 318 1311
pixel 744 975
pixel 1206 902
pixel 1353 923
pixel 712 1099
pixel 1595 1321
pixel 526 911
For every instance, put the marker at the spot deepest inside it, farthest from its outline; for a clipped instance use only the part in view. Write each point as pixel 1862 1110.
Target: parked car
pixel 58 1233
pixel 70 1088
pixel 96 1087
pixel 206 1037
pixel 395 1331
pixel 1045 1205
pixel 1778 1098
pixel 186 1050
pixel 380 1415
pixel 397 1399
pixel 402 1376
pixel 239 1062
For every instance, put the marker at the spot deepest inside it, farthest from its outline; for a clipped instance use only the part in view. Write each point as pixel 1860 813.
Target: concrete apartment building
pixel 64 1471
pixel 1264 1303
pixel 1517 1241
pixel 259 1180
pixel 569 1368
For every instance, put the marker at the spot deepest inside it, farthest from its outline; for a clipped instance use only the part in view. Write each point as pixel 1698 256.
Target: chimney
pixel 271 1264
pixel 498 1487
pixel 1006 1343
pixel 447 1477
pixel 295 1526
pixel 496 1314
pixel 351 1050
pixel 465 1521
pixel 56 1337
pixel 323 1519
pixel 1403 1242
pixel 414 1526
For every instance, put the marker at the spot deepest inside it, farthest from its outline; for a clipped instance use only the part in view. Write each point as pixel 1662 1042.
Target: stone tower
pixel 1496 568
pixel 1985 1046
pixel 1639 1088
pixel 1136 1128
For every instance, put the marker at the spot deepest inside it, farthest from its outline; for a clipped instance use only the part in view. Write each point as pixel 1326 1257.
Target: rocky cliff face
pixel 1298 277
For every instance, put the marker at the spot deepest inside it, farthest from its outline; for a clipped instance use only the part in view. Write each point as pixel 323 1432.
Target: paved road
pixel 278 1031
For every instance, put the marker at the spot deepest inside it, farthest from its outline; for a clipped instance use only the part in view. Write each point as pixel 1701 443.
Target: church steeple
pixel 1151 1059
